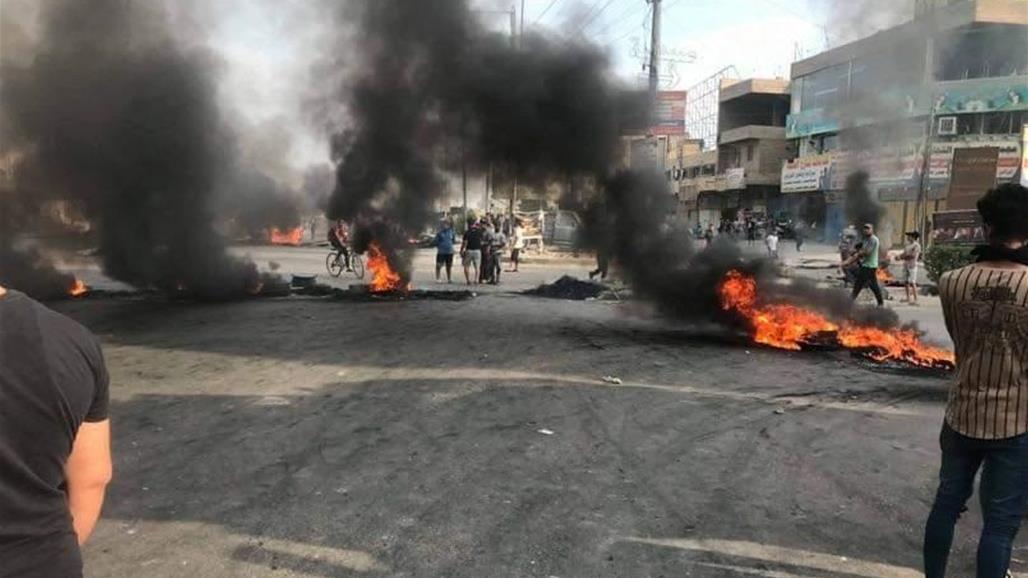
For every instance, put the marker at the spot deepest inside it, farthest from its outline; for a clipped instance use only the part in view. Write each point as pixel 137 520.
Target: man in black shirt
pixel 471 252
pixel 55 458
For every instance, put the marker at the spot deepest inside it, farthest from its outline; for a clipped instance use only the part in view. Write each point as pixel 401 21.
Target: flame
pixel 286 237
pixel 383 276
pixel 894 345
pixel 781 326
pixel 791 327
pixel 884 276
pixel 78 288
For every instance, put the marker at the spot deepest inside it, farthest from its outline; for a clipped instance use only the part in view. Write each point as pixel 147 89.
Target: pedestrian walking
pixel 751 232
pixel 911 255
pixel 771 242
pixel 799 234
pixel 708 235
pixel 985 305
pixel 55 450
pixel 867 260
pixel 517 240
pixel 471 252
pixel 445 239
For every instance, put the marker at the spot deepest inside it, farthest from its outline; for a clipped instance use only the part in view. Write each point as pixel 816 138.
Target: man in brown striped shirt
pixel 986 309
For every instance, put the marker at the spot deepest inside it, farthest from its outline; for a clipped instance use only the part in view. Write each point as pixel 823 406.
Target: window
pixel 825 87
pixel 749 153
pixel 1002 123
pixel 982 52
pixel 969 124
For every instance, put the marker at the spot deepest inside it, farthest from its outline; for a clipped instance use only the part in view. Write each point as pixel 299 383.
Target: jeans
pixel 867 277
pixel 1003 493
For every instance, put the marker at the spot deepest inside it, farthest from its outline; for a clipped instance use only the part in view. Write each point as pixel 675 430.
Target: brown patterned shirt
pixel 986 310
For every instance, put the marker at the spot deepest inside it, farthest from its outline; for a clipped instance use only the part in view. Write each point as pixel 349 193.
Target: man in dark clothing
pixel 55 459
pixel 471 252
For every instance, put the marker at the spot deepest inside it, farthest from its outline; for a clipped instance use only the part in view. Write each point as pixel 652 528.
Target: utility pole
pixel 654 50
pixel 521 32
pixel 516 41
pixel 464 178
pixel 513 27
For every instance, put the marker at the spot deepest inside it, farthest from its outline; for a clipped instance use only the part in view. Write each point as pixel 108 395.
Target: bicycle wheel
pixel 335 268
pixel 357 264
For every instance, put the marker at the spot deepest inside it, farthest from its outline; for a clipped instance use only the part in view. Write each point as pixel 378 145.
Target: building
pixel 752 145
pixel 742 175
pixel 949 84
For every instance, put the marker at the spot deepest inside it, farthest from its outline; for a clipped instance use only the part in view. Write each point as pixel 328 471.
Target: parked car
pixel 561 228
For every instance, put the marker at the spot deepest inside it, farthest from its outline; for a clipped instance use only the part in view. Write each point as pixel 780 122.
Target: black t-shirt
pixel 473 239
pixel 52 378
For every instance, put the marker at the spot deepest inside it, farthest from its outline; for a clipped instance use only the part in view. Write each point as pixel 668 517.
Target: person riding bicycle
pixel 339 237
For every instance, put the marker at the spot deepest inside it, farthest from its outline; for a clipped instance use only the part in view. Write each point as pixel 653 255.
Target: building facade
pixel 902 104
pixel 741 176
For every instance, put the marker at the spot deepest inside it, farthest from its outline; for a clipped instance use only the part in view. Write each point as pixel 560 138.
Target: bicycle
pixel 336 264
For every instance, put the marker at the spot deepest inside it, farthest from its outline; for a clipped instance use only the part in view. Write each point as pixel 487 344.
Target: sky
pixel 267 59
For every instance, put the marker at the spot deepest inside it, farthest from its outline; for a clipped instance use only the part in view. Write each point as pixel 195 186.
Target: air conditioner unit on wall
pixel 947 125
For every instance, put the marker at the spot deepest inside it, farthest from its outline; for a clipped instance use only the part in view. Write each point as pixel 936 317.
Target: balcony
pixel 752 132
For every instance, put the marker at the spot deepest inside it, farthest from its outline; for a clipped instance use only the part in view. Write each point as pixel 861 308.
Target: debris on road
pixel 546 432
pixel 568 287
pixel 612 379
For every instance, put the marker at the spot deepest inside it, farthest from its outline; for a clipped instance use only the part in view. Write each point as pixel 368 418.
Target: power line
pixel 632 9
pixel 597 15
pixel 545 10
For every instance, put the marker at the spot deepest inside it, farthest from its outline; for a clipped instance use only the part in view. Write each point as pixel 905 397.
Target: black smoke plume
pixel 113 114
pixel 433 89
pixel 659 259
pixel 860 205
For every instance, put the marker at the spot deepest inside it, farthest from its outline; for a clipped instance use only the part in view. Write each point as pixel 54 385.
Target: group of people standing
pixel 482 248
pixel 861 260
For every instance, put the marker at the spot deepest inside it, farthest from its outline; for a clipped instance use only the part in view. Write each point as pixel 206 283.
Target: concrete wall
pixel 761 159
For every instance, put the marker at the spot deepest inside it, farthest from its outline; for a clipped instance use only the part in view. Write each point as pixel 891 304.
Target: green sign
pixel 985 95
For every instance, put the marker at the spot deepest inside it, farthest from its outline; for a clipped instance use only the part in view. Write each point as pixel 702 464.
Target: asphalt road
pixel 306 437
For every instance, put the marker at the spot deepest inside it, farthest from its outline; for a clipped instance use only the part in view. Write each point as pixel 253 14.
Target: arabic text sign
pixel 670 113
pixel 805 173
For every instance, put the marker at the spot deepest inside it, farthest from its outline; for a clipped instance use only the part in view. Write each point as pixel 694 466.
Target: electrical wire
pixel 545 10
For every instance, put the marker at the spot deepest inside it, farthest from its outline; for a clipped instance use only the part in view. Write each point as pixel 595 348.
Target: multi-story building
pixel 955 77
pixel 752 144
pixel 741 176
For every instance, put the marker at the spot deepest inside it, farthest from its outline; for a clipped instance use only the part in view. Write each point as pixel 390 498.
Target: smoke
pixel 434 90
pixel 113 113
pixel 630 223
pixel 860 206
pixel 849 20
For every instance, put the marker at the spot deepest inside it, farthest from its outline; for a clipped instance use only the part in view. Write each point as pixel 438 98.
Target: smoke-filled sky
pixel 269 49
pixel 269 46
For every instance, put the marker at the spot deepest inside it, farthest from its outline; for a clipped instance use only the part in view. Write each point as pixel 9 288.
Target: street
pixel 312 437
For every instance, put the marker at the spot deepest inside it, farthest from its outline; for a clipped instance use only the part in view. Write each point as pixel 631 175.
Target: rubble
pixel 568 287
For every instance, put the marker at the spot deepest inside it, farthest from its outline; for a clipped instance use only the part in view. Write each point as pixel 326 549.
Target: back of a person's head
pixel 1005 210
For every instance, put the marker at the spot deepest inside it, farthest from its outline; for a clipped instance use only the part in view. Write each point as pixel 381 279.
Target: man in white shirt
pixel 772 243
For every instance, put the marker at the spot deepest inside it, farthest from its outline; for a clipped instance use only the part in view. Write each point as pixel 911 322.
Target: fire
pixel 894 344
pixel 781 326
pixel 884 276
pixel 78 288
pixel 791 327
pixel 286 237
pixel 383 276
